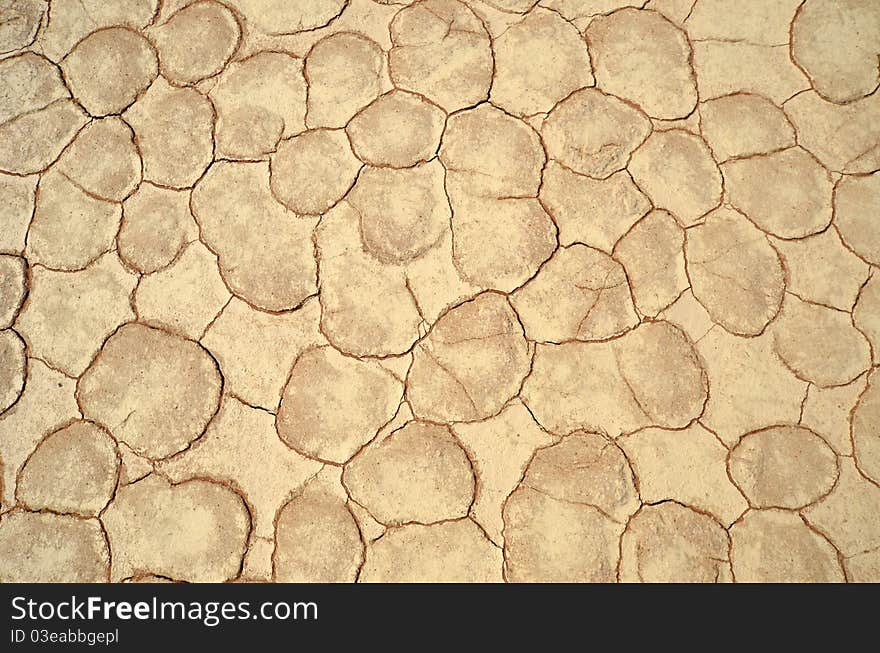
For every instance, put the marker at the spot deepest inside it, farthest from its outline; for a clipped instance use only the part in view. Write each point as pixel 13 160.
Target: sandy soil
pixel 481 290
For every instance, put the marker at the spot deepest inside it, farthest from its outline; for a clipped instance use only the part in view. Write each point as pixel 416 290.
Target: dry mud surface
pixel 481 290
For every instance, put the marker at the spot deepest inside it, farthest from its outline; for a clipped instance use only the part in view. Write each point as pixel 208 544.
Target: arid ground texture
pixel 443 290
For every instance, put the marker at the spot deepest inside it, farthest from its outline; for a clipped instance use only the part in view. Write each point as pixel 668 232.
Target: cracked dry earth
pixel 443 290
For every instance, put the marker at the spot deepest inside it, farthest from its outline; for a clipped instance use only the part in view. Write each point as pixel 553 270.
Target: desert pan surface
pixel 443 290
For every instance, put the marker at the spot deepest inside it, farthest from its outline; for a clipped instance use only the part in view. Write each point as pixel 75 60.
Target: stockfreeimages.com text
pixel 209 613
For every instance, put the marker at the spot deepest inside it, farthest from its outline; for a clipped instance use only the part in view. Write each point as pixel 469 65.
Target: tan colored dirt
pixel 440 290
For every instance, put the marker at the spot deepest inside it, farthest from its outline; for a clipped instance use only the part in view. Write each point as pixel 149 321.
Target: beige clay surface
pixel 440 290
